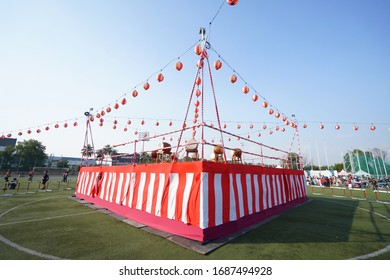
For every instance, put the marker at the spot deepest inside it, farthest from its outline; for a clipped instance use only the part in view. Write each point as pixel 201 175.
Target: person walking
pixel 45 179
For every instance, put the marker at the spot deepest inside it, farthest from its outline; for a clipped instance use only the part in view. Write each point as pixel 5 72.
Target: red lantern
pixel 197 103
pixel 134 93
pixel 277 115
pixel 271 111
pixel 224 126
pixel 277 128
pixel 101 124
pixel 337 127
pixel 258 134
pixel 136 133
pixel 255 97
pixel 248 136
pixel 47 128
pixel 20 133
pixel 29 131
pixel 142 122
pixel 102 113
pixel 2 136
pixel 125 129
pixel 196 115
pixel 98 115
pixel 170 123
pixel 199 63
pixel 238 126
pixel 245 89
pixel 322 126
pixel 198 49
pixel 38 130
pixel 232 2
pixel 57 125
pixel 124 101
pixel 197 93
pixel 75 124
pixel 157 123
pixel 116 106
pixel 115 121
pixel 304 125
pixel 355 127
pixel 283 129
pixel 265 104
pixel 101 120
pixel 91 118
pixel 287 122
pixel 108 110
pixel 114 127
pixel 198 81
pixel 160 77
pixel 9 135
pixel 251 126
pixel 217 64
pixel 284 118
pixel 271 132
pixel 233 78
pixel 129 122
pixel 264 127
pixel 146 86
pixel 179 66
pixel 372 127
pixel 65 125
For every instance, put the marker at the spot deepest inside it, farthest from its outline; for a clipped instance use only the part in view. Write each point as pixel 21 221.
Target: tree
pixel 338 167
pixel 106 152
pixel 63 163
pixel 87 151
pixel 30 153
pixel 6 157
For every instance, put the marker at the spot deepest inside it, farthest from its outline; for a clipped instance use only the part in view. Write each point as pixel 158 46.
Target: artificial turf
pixel 326 228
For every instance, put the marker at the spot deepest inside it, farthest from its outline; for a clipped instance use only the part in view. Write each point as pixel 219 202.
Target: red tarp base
pixel 198 200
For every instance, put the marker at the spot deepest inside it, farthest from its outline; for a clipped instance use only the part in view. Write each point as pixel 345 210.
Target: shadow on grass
pixel 316 222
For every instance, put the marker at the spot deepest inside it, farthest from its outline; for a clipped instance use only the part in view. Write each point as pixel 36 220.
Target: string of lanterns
pixel 218 64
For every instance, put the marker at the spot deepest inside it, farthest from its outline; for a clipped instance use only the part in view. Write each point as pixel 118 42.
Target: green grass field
pixel 40 225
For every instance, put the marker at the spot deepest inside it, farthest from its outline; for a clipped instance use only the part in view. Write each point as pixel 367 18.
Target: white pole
pixel 342 156
pixel 351 162
pixel 326 156
pixel 368 169
pixel 376 168
pixel 358 160
pixel 318 156
pixel 383 161
pixel 311 159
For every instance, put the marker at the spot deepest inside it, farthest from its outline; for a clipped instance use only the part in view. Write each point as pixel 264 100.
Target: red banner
pixel 202 195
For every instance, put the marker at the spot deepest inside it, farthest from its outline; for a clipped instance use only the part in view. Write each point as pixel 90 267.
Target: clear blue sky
pixel 324 61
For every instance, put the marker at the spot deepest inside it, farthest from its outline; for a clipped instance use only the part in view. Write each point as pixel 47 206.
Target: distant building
pixel 125 159
pixel 5 142
pixel 72 161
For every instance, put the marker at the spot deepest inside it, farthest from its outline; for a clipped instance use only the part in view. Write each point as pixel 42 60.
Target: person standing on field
pixel 45 179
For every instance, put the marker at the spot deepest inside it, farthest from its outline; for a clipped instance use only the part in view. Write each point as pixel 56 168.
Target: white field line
pixel 373 254
pixel 24 249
